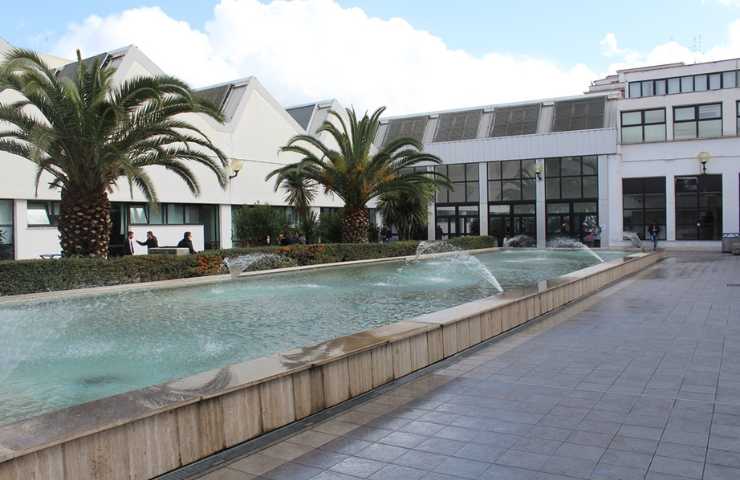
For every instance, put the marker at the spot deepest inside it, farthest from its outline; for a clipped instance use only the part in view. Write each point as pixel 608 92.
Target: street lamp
pixel 235 167
pixel 538 172
pixel 703 159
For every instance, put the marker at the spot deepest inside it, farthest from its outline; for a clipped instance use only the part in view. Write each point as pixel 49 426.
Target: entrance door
pixel 699 207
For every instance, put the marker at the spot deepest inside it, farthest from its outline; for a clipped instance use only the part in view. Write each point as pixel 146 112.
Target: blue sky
pixel 564 40
pixel 568 31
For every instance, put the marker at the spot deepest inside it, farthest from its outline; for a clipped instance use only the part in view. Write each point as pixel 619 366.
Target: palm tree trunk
pixel 355 225
pixel 85 223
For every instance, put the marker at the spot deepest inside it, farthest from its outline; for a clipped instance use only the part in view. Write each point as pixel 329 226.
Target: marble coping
pixel 61 426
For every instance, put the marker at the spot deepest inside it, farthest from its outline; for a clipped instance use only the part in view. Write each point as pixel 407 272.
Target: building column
pixel 540 212
pixel 605 223
pixel 19 227
pixel 483 198
pixel 670 208
pixel 431 219
pixel 225 226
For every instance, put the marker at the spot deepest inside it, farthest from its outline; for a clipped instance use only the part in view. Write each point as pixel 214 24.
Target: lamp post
pixel 235 167
pixel 703 159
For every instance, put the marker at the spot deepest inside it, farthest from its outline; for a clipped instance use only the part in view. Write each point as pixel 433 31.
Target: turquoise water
pixel 67 352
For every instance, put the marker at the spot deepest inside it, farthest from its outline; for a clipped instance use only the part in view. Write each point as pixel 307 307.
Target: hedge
pixel 30 276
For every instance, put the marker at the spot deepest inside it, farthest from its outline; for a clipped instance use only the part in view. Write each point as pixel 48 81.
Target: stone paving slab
pixel 641 381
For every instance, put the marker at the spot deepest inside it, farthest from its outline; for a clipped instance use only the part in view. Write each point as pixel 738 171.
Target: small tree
pixel 406 211
pixel 330 226
pixel 254 224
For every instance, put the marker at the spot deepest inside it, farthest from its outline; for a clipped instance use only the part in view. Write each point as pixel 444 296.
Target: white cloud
pixel 305 50
pixel 672 51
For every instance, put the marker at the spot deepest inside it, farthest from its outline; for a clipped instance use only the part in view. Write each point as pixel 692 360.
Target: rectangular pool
pixel 66 352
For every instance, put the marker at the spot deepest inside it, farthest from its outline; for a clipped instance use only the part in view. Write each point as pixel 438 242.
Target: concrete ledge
pixel 148 432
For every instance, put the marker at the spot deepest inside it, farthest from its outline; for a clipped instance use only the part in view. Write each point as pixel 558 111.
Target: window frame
pixel 696 120
pixel 723 75
pixel 459 184
pixel 642 124
pixel 49 207
pixel 644 209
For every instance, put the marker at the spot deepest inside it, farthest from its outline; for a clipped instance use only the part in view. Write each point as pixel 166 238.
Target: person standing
pixel 653 231
pixel 128 244
pixel 187 242
pixel 151 241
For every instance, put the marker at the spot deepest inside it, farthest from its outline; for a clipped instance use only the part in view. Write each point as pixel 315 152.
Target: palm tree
pixel 298 191
pixel 354 171
pixel 407 211
pixel 87 134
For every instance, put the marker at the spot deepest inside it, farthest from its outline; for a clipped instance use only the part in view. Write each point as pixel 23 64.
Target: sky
pixel 410 55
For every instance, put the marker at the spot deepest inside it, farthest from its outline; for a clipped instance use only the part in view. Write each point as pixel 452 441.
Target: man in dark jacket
pixel 187 242
pixel 151 240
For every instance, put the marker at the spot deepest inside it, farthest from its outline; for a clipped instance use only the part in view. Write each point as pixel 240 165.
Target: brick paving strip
pixel 640 381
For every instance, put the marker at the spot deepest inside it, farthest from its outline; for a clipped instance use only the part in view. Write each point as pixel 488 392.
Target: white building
pixel 619 157
pixel 655 145
pixel 256 127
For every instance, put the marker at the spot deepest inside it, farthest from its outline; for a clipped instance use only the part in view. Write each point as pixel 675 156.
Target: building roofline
pixel 499 105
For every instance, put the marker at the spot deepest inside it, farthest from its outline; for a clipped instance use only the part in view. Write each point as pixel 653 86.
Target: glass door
pixel 699 207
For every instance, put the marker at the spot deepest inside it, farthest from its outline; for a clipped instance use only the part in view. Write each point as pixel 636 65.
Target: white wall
pixel 32 242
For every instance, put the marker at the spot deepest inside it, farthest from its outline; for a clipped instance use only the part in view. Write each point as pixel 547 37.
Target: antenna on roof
pixel 696 46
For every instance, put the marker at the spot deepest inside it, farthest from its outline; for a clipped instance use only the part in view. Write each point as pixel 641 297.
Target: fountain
pixel 455 257
pixel 255 261
pixel 520 241
pixel 634 238
pixel 566 242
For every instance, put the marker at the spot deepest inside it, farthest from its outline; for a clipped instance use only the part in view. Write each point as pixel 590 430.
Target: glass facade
pixel 571 198
pixel 512 190
pixel 7 250
pixel 699 207
pixel 643 204
pixel 456 209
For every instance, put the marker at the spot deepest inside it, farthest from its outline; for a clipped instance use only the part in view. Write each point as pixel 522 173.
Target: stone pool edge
pixel 148 432
pixel 210 279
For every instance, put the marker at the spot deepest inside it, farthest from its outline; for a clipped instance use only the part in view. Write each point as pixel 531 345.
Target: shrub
pixel 330 226
pixel 254 223
pixel 29 276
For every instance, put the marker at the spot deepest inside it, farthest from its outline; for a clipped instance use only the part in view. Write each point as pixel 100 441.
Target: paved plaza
pixel 641 381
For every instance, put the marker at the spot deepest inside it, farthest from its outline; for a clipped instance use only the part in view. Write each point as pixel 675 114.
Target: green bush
pixel 330 226
pixel 254 223
pixel 30 276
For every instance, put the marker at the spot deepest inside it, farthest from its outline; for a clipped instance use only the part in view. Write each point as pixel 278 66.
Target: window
pixel 137 215
pixel 512 189
pixel 457 126
pixel 674 85
pixel 175 214
pixel 697 121
pixel 42 214
pixel 571 196
pixel 520 120
pixel 690 83
pixel 456 220
pixel 579 114
pixel 699 207
pixel 643 204
pixel 511 180
pixel 6 230
pixel 643 126
pixel 406 127
pixel 465 187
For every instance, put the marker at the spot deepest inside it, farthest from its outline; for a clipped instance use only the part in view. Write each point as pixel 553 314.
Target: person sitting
pixel 187 242
pixel 151 240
